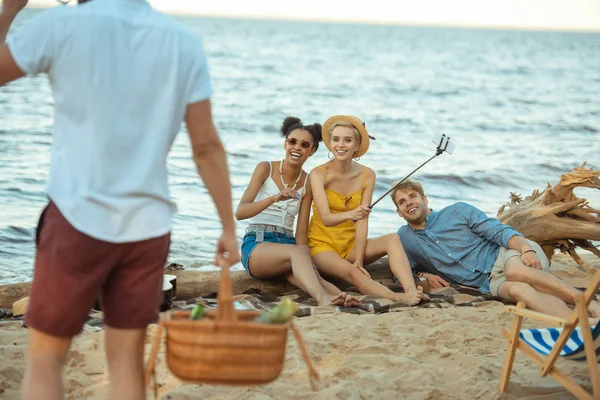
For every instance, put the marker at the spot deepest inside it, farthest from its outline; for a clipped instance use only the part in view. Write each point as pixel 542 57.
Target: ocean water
pixel 522 108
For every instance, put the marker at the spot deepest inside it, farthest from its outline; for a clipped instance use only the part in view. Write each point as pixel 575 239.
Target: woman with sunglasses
pixel 272 200
pixel 342 190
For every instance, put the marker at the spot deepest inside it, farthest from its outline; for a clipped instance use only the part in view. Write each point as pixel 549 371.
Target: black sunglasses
pixel 304 144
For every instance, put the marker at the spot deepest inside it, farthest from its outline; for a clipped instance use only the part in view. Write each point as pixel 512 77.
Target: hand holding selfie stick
pixel 443 145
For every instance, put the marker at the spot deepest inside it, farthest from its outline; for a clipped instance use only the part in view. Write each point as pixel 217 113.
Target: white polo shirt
pixel 122 75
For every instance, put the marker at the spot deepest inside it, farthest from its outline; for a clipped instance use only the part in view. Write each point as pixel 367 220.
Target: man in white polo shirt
pixel 123 78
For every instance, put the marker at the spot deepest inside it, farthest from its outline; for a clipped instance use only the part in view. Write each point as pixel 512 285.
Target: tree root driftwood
pixel 556 218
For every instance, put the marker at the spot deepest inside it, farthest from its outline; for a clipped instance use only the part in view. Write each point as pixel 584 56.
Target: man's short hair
pixel 413 185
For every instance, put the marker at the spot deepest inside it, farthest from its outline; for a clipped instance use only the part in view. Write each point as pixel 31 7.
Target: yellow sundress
pixel 339 238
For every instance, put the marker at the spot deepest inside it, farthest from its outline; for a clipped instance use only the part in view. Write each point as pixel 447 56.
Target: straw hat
pixel 365 138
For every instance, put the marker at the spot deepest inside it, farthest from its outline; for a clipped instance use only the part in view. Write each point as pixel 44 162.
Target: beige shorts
pixel 497 276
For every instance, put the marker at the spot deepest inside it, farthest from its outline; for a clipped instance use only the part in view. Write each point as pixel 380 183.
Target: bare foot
pixel 350 301
pixel 410 298
pixel 344 299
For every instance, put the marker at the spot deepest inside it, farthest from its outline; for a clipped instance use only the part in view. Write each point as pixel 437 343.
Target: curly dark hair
pixel 291 123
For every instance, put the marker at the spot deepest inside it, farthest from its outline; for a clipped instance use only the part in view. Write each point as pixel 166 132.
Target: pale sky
pixel 532 14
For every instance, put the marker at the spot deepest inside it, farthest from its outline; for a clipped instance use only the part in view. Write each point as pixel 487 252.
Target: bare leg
pixel 328 286
pixel 533 299
pixel 341 298
pixel 269 260
pixel 545 282
pixel 338 298
pixel 332 263
pixel 391 246
pixel 293 281
pixel 125 357
pixel 46 355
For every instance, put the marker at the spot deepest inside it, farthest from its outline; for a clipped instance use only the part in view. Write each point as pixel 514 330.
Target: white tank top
pixel 282 213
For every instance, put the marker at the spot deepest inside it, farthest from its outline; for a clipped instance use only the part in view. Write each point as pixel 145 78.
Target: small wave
pixel 16 234
pixel 553 168
pixel 444 93
pixel 563 126
pixel 240 155
pixel 31 181
pixel 520 100
pixel 474 181
pixel 385 184
pixel 18 192
pixel 450 179
pixel 270 128
pixel 520 70
pixel 15 279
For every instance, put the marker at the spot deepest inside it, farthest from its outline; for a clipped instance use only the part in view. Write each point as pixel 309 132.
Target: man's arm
pixel 211 162
pixel 528 255
pixel 10 9
pixel 486 227
pixel 502 235
pixel 9 70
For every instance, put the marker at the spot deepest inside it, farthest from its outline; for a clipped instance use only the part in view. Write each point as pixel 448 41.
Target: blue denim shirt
pixel 459 242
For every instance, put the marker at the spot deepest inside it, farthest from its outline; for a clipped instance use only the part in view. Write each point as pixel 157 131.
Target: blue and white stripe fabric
pixel 542 340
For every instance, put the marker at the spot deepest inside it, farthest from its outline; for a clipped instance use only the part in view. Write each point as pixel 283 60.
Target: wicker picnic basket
pixel 226 346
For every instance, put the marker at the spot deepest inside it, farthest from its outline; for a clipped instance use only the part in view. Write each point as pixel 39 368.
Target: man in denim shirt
pixel 461 244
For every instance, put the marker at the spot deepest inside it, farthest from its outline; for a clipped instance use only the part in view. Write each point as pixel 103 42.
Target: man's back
pixel 122 76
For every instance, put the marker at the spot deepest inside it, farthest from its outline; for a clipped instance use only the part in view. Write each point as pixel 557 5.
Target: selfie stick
pixel 444 140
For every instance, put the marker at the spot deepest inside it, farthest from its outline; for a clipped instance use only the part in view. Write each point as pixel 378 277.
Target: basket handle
pixel 225 311
pixel 313 375
pixel 150 370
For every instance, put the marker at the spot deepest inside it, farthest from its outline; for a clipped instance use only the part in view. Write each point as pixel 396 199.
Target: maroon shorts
pixel 72 270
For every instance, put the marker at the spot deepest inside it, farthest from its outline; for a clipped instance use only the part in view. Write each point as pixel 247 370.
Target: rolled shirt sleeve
pixel 32 45
pixel 489 228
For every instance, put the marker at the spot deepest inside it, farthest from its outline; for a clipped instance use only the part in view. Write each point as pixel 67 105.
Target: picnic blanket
pixel 454 296
pixel 254 299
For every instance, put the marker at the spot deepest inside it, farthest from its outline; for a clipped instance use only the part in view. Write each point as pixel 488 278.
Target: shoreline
pixel 200 266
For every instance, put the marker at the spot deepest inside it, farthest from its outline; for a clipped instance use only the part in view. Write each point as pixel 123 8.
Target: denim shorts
pixel 249 243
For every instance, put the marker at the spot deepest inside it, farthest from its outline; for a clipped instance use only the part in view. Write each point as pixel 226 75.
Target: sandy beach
pixel 453 353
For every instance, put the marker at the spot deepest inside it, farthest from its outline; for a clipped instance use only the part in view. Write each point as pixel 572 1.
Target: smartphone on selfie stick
pixel 443 145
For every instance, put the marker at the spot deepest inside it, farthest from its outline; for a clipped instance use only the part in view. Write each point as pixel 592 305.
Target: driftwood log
pixel 192 284
pixel 556 218
pixel 13 292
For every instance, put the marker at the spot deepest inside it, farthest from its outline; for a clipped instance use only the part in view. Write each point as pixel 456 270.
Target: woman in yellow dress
pixel 342 190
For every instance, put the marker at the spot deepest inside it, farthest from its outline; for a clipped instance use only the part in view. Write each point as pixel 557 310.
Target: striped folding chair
pixel 571 338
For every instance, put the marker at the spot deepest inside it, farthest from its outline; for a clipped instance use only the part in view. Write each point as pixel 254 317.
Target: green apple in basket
pixel 280 314
pixel 197 312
